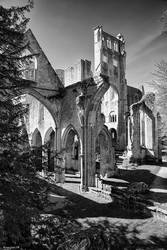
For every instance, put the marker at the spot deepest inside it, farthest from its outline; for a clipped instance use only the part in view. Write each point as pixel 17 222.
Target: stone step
pixel 73 175
pixel 119 157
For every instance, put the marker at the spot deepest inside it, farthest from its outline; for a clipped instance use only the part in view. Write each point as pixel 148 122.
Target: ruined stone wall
pixel 38 118
pixel 144 133
pixel 77 72
pixel 81 100
pixel 147 134
pixel 69 110
pixel 43 103
pixel 45 76
pixel 60 73
pixel 133 95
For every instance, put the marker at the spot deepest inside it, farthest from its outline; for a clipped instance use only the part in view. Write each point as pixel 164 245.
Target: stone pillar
pixel 91 137
pixel 122 110
pixel 129 134
pixel 157 139
pixel 135 117
pixel 82 155
pixel 80 102
pixel 57 144
pixel 142 128
pixel 57 139
pixel 87 106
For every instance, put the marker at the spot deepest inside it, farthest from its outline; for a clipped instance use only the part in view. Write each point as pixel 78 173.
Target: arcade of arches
pixel 88 120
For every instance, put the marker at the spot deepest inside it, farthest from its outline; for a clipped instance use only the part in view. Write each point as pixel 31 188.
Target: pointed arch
pixel 66 132
pixel 105 130
pixel 47 134
pixel 37 145
pixel 71 142
pixel 49 141
pixel 103 151
pixel 42 99
pixel 36 138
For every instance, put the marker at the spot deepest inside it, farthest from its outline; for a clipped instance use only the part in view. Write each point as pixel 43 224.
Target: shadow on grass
pixel 84 207
pixel 157 197
pixel 62 234
pixel 144 175
pixel 138 175
pixel 104 235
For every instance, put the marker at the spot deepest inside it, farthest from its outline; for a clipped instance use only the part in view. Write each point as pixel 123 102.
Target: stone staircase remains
pixel 119 157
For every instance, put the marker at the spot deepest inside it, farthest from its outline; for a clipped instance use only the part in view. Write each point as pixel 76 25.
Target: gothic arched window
pixel 30 67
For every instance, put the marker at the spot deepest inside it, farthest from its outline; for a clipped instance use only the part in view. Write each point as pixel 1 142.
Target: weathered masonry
pixel 87 114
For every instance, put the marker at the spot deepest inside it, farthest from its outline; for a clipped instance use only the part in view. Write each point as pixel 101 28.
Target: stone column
pixel 135 117
pixel 87 106
pixel 122 110
pixel 91 137
pixel 129 147
pixel 80 102
pixel 157 139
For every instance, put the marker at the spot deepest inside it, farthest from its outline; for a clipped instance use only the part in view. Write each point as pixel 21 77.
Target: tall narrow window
pixel 115 64
pixel 115 118
pixel 30 67
pixel 109 43
pixel 116 46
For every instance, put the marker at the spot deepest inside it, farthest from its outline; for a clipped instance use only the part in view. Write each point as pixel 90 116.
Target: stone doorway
pixel 72 148
pixel 102 151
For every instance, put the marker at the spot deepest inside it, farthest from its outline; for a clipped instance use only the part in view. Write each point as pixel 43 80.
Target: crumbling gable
pixel 144 140
pixel 48 83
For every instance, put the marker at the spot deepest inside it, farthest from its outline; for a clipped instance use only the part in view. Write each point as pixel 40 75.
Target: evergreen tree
pixel 20 190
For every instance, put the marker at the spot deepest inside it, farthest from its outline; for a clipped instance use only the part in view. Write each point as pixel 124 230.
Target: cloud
pixel 149 48
pixel 144 56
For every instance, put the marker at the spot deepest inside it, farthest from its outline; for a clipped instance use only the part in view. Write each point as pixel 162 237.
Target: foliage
pixel 160 87
pixel 54 232
pixel 12 27
pixel 21 194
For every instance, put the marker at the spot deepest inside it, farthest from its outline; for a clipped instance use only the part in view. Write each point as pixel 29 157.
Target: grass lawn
pixel 91 212
pixel 94 213
pixel 144 173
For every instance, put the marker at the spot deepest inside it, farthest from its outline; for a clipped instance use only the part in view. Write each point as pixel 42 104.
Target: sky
pixel 64 30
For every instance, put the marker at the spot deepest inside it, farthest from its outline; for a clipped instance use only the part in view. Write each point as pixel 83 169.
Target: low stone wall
pixel 131 201
pixel 158 213
pixel 101 193
pixel 138 204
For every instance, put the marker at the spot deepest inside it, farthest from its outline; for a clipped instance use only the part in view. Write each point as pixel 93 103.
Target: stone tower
pixel 110 61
